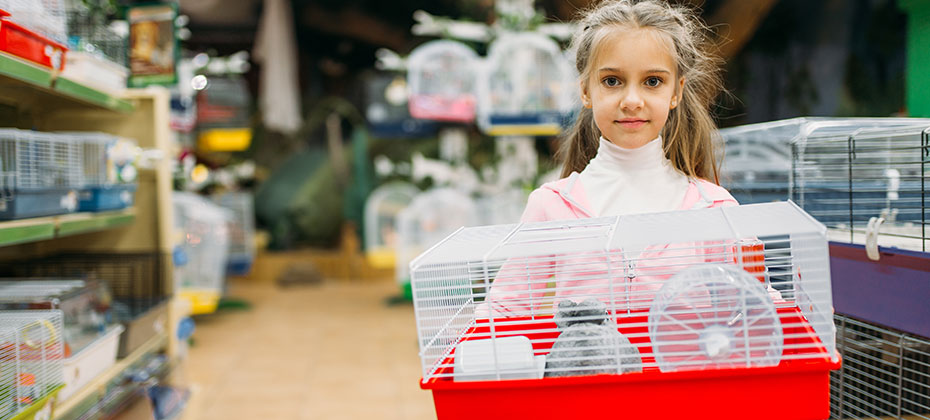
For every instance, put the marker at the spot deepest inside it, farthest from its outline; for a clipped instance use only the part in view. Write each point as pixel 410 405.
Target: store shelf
pixel 96 389
pixel 42 228
pixel 24 83
pixel 74 224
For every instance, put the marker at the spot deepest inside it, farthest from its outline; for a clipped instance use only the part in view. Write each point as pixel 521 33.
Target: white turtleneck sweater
pixel 621 181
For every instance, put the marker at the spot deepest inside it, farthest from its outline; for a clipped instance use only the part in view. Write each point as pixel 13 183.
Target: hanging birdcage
pixel 527 87
pixel 386 111
pixel 441 77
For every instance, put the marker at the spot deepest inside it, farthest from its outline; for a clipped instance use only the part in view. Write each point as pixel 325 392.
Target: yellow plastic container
pixel 225 139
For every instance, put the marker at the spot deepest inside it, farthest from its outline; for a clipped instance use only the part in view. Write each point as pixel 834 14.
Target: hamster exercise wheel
pixel 441 76
pixel 714 316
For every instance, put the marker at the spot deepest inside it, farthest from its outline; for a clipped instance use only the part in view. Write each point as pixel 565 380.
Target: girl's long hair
pixel 690 135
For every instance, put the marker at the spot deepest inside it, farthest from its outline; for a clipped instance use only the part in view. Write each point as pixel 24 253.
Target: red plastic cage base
pixel 17 40
pixel 758 394
pixel 795 389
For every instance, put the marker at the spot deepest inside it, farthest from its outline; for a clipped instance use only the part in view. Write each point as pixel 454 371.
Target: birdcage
pixel 201 257
pixel 619 316
pixel 432 216
pixel 39 174
pixel 441 78
pixel 137 282
pixel 382 209
pixel 501 207
pixel 386 110
pixel 241 231
pixel 885 373
pixel 31 355
pixel 868 185
pixel 758 164
pixel 527 87
pixel 108 171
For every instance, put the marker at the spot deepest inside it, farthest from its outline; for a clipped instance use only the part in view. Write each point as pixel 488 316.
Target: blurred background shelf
pixel 23 83
pixel 42 228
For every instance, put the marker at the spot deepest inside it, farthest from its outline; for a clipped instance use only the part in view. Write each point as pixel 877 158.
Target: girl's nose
pixel 632 100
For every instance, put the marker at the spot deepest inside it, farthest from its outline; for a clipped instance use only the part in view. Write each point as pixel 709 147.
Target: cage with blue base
pixel 108 170
pixel 40 174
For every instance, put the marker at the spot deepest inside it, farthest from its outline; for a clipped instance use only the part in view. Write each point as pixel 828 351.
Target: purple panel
pixel 894 291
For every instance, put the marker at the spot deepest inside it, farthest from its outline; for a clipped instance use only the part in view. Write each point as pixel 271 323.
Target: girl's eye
pixel 611 81
pixel 653 81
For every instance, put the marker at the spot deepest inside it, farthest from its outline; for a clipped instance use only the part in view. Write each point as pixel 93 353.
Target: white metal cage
pixel 527 86
pixel 204 244
pixel 31 358
pixel 709 289
pixel 382 209
pixel 868 185
pixel 241 230
pixel 36 160
pixel 432 216
pixel 441 78
pixel 47 17
pixel 885 373
pixel 758 163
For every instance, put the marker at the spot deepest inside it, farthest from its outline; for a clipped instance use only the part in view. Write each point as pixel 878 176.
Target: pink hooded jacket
pixel 520 289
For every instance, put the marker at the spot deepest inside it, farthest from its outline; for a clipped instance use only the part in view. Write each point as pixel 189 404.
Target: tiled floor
pixel 328 351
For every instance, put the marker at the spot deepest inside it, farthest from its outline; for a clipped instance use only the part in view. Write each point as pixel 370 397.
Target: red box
pixel 24 43
pixel 795 389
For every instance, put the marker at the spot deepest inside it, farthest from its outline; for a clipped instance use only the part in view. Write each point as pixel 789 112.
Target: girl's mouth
pixel 631 123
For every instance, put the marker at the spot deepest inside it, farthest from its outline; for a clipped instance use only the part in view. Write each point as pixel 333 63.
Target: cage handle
pixel 871 238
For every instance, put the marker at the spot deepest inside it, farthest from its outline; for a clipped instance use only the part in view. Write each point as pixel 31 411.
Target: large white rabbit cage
pixel 441 80
pixel 757 167
pixel 382 209
pixel 202 251
pixel 31 363
pixel 433 215
pixel 665 315
pixel 241 231
pixel 527 87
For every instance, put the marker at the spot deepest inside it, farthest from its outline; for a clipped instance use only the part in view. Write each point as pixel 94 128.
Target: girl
pixel 644 141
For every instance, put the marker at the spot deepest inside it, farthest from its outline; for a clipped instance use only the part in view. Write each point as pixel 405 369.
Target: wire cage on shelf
pixel 109 173
pixel 200 258
pixel 382 210
pixel 868 185
pixel 137 282
pixel 31 355
pixel 241 231
pixel 46 17
pixel 441 79
pixel 619 315
pixel 39 174
pixel 433 215
pixel 885 373
pixel 84 305
pixel 527 87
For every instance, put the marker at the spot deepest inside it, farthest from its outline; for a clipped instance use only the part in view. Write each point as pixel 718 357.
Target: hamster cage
pixel 620 316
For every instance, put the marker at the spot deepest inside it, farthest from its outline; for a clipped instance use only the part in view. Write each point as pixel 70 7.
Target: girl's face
pixel 632 87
